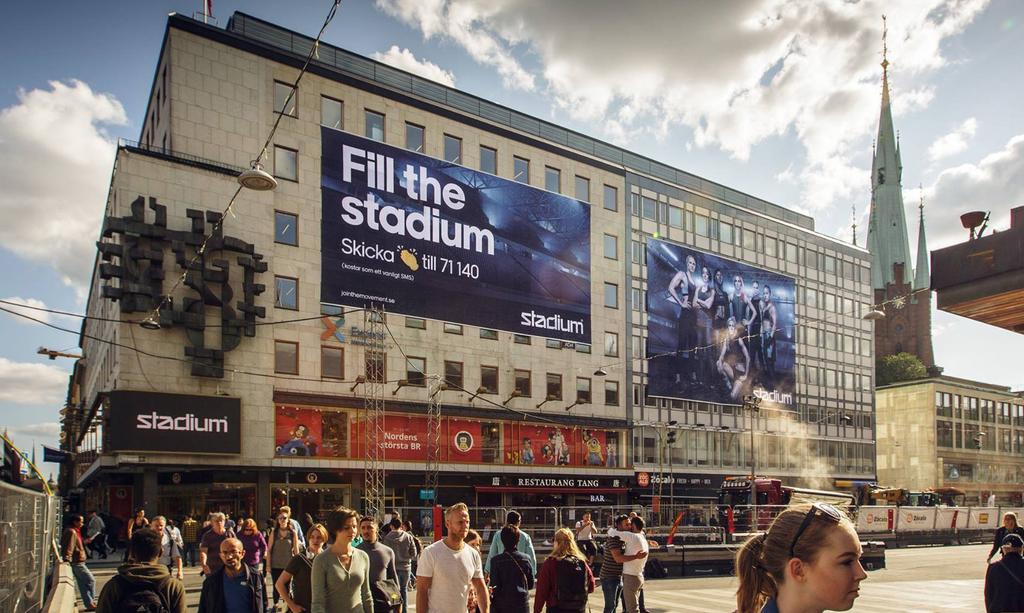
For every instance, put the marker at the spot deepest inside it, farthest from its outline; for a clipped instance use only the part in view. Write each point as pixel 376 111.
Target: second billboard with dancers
pixel 718 330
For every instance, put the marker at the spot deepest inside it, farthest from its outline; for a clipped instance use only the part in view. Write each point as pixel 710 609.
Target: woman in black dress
pixel 703 301
pixel 683 289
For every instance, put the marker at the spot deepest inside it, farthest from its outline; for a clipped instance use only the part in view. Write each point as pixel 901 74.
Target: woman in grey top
pixel 340 574
pixel 284 544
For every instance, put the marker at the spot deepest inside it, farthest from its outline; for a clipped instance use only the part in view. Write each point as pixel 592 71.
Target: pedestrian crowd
pixel 808 560
pixel 350 563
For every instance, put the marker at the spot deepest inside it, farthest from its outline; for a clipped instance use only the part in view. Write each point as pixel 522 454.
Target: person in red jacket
pixel 565 578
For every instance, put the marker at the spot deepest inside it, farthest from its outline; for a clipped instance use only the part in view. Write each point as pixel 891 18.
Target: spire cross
pixel 920 206
pixel 885 48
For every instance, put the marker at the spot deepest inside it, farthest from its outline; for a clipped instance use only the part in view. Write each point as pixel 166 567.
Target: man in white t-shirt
pixel 635 556
pixel 585 531
pixel 447 568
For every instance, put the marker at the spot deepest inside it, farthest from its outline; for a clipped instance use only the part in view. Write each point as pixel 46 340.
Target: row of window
pixel 720 230
pixel 332 366
pixel 331 115
pixel 956 435
pixel 978 409
pixel 698 447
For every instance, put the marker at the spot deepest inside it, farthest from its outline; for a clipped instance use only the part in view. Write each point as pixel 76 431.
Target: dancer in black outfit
pixel 732 370
pixel 769 323
pixel 703 302
pixel 754 328
pixel 686 328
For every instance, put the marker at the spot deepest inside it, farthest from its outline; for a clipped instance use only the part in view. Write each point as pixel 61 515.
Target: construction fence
pixel 28 524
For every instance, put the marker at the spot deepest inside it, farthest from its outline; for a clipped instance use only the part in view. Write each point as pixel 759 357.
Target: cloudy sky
pixel 777 98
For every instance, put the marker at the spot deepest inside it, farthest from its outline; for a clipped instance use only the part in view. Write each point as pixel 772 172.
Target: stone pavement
pixel 917 580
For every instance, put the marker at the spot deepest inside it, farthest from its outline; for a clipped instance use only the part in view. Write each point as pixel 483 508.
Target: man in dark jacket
pixel 511 575
pixel 1004 580
pixel 235 586
pixel 144 574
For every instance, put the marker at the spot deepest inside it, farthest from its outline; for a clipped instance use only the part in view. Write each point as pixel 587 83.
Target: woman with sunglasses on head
pixel 807 562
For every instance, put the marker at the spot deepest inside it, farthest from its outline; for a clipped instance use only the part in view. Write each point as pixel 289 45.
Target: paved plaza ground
pixel 918 580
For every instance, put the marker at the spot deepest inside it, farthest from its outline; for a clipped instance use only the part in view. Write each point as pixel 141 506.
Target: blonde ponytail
pixel 756 584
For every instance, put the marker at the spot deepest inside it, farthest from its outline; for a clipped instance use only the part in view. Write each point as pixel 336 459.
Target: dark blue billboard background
pixel 428 238
pixel 718 329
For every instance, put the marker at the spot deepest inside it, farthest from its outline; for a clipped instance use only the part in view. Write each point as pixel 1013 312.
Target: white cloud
pixel 405 60
pixel 32 384
pixel 31 302
pixel 50 429
pixel 954 142
pixel 734 73
pixel 470 25
pixel 56 172
pixel 995 183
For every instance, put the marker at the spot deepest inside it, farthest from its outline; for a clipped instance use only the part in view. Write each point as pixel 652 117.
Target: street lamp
pixel 753 405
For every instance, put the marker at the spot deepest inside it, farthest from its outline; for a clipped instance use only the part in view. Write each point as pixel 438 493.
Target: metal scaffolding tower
pixel 373 390
pixel 437 385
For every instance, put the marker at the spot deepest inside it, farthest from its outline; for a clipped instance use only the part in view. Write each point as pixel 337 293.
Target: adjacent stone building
pixel 949 432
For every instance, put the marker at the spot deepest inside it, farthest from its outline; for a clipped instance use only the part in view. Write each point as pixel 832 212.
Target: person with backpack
pixel 525 543
pixel 511 576
pixel 404 546
pixel 565 578
pixel 143 585
pixel 1004 580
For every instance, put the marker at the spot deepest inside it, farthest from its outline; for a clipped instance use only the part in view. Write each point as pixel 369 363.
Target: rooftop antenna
pixel 853 218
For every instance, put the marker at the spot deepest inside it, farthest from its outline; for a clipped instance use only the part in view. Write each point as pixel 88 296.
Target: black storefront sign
pixel 178 423
pixel 681 484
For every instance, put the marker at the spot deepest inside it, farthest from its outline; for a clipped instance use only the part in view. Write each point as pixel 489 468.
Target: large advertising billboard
pixel 179 423
pixel 718 329
pixel 429 238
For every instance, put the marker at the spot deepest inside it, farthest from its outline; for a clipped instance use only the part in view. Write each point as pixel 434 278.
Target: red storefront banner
pixel 302 432
pixel 405 439
pixel 554 445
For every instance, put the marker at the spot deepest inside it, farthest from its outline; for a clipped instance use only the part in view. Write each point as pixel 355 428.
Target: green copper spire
pixel 888 239
pixel 922 278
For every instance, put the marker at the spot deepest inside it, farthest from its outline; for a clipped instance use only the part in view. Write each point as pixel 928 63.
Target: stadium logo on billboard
pixel 185 423
pixel 774 396
pixel 552 322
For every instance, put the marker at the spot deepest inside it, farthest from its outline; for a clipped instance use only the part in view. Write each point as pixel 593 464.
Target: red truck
pixel 735 509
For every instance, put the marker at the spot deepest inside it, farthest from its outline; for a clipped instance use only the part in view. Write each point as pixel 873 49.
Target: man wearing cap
pixel 1004 580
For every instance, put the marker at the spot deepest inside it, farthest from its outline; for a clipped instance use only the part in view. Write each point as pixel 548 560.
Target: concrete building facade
pixel 244 334
pixel 949 432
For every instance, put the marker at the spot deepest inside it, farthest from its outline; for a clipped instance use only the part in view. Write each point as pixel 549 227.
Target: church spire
pixel 922 278
pixel 888 239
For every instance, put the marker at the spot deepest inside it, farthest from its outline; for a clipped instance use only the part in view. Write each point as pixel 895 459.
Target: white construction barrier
pixel 873 519
pixel 984 518
pixel 916 519
pixel 952 518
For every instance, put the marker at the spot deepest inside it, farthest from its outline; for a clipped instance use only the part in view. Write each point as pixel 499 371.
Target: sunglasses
pixel 826 511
